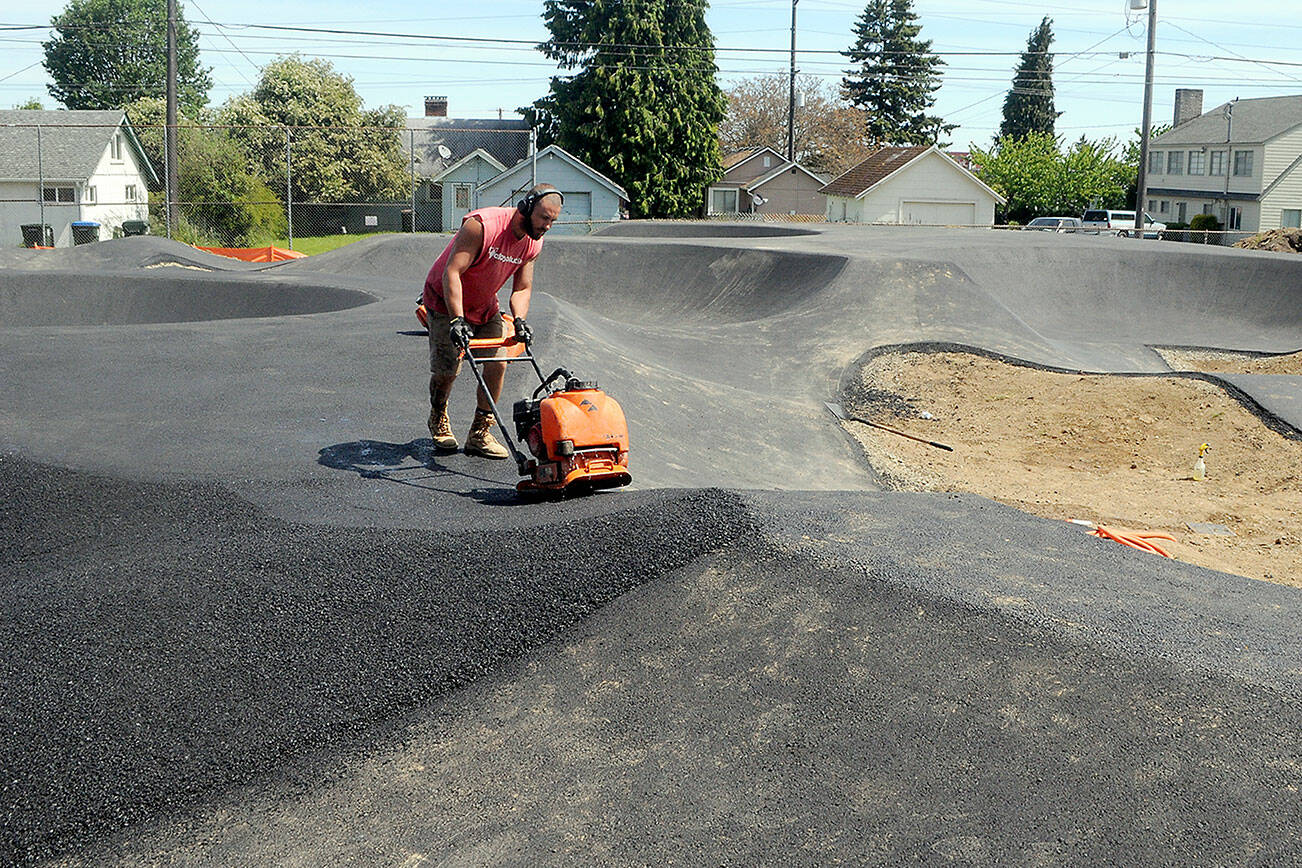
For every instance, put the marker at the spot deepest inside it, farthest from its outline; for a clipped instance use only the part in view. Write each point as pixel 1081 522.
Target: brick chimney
pixel 1188 105
pixel 437 106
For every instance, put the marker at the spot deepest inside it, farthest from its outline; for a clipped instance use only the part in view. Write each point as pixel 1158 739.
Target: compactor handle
pixel 555 375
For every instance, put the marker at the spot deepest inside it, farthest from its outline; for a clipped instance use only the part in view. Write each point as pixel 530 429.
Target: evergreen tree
pixel 643 107
pixel 896 75
pixel 108 53
pixel 1028 108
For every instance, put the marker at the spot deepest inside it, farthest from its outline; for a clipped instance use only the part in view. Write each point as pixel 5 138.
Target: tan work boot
pixel 481 440
pixel 440 429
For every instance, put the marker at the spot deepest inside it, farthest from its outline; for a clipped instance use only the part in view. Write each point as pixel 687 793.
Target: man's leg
pixel 481 440
pixel 444 363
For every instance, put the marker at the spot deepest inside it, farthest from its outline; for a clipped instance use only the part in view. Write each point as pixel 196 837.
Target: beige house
pixel 762 181
pixel 919 185
pixel 1241 161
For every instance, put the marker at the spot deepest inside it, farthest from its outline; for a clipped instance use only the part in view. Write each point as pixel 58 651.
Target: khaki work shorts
pixel 445 356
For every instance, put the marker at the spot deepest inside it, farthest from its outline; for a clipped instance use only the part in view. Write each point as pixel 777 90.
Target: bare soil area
pixel 1113 450
pixel 1226 362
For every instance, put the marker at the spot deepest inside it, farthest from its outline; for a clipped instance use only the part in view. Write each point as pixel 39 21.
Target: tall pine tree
pixel 1028 108
pixel 896 75
pixel 643 107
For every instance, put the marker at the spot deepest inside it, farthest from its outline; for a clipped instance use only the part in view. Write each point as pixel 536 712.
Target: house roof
pixel 781 170
pixel 736 158
pixel 506 139
pixel 561 153
pixel 72 143
pixel 488 158
pixel 1255 120
pixel 886 161
pixel 875 168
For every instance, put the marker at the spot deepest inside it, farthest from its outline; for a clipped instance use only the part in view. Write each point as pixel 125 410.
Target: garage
pixel 917 185
pixel 938 213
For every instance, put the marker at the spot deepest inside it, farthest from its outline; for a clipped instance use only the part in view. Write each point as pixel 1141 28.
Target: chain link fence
pixel 253 186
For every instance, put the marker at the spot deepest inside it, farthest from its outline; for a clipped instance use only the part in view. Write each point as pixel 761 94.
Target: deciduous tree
pixel 107 53
pixel 642 106
pixel 1028 108
pixel 339 151
pixel 222 203
pixel 830 134
pixel 896 75
pixel 1039 178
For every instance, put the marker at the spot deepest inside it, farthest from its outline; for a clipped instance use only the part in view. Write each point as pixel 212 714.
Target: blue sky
pixel 1099 45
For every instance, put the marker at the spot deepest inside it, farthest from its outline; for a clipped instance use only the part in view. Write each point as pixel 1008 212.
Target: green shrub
pixel 1205 222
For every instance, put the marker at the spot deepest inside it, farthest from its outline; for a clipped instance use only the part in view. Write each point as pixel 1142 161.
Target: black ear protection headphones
pixel 532 198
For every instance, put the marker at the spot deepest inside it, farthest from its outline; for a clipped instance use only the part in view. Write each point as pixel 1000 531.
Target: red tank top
pixel 500 257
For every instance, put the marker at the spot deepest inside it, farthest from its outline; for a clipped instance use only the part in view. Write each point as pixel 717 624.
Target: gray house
pixel 1241 161
pixel 761 181
pixel 63 167
pixel 590 197
pixel 441 146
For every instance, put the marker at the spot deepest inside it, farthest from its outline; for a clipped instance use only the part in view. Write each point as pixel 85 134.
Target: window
pixel 1290 218
pixel 1156 163
pixel 1236 219
pixel 59 195
pixel 1217 163
pixel 1207 208
pixel 723 201
pixel 1196 160
pixel 88 195
pixel 1181 212
pixel 1163 206
pixel 1175 163
pixel 1243 164
pixel 130 194
pixel 461 196
pixel 115 147
pixel 768 161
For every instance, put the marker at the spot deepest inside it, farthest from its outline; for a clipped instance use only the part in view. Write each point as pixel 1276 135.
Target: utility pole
pixel 791 103
pixel 169 147
pixel 1142 178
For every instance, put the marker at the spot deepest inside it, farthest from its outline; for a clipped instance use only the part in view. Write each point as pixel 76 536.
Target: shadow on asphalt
pixel 377 459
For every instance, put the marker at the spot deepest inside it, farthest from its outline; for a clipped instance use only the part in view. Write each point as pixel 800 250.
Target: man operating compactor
pixel 460 302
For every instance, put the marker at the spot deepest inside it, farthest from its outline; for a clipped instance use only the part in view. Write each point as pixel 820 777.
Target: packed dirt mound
pixel 1110 450
pixel 1279 240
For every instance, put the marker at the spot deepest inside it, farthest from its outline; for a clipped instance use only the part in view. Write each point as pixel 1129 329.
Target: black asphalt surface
pixel 250 618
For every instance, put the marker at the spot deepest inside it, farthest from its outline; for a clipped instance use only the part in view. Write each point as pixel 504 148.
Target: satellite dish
pixel 445 151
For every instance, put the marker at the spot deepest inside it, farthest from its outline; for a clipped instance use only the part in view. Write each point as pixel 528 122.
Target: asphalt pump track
pixel 251 618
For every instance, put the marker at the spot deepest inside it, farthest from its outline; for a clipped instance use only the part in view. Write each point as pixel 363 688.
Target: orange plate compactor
pixel 575 432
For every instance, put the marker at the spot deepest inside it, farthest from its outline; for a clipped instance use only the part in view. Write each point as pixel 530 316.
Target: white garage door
pixel 939 213
pixel 578 206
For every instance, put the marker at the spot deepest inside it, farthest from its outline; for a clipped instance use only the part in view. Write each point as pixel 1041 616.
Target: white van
pixel 1119 223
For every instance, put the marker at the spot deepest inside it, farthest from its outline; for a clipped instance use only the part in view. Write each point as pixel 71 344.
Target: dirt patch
pixel 1227 362
pixel 1279 240
pixel 1108 449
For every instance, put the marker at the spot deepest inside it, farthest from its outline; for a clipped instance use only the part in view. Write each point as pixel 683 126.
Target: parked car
pixel 1120 223
pixel 1055 224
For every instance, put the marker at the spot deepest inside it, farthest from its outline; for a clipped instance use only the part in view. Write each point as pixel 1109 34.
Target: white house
pixel 590 197
pixel 1241 161
pixel 921 185
pixel 61 167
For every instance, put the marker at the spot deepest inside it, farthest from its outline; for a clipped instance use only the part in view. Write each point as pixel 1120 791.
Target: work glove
pixel 460 332
pixel 523 334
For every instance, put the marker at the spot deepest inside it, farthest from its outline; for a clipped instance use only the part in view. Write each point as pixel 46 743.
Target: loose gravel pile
pixel 162 643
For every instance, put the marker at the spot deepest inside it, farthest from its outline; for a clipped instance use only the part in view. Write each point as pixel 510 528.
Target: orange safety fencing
pixel 255 254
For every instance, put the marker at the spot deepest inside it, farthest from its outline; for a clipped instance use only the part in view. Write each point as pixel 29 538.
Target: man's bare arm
pixel 466 246
pixel 521 290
